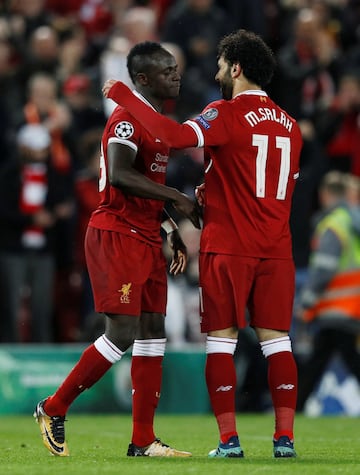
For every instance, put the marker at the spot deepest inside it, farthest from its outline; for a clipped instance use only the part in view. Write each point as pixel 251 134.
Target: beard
pixel 226 87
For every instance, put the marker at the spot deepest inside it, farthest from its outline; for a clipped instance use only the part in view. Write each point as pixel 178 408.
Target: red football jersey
pixel 252 150
pixel 117 211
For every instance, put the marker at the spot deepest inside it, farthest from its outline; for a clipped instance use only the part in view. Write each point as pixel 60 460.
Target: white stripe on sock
pixel 220 345
pixel 151 347
pixel 277 345
pixel 106 348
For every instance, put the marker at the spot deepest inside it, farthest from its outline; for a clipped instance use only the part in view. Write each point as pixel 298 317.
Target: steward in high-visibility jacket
pixel 332 293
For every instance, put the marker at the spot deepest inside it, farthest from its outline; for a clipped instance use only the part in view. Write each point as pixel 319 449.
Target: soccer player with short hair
pixel 127 268
pixel 251 150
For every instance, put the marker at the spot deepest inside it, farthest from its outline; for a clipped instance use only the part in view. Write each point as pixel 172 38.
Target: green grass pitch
pixel 98 444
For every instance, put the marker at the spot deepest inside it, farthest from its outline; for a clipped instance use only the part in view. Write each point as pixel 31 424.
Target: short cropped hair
pixel 140 57
pixel 334 182
pixel 250 51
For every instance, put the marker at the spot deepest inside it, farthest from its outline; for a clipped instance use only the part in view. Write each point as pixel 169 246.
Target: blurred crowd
pixel 55 56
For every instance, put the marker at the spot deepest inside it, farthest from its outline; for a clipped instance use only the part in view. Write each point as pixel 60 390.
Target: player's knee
pixel 151 326
pixel 121 330
pixel 264 334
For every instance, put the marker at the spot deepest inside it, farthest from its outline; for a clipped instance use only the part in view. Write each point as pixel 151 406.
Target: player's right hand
pixel 107 86
pixel 188 208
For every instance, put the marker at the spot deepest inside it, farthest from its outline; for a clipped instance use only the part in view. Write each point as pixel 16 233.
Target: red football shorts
pixel 127 276
pixel 230 284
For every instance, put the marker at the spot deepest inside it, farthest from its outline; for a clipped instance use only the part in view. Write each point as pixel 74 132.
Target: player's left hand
pixel 179 258
pixel 200 194
pixel 178 263
pixel 108 84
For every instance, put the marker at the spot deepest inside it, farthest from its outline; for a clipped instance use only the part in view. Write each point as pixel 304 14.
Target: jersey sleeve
pixel 212 125
pixel 124 129
pixel 170 132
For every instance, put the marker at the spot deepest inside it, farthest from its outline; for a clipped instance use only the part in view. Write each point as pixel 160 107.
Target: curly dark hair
pixel 252 53
pixel 141 56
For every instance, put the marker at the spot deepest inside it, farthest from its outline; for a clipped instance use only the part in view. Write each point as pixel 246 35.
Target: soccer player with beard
pixel 127 268
pixel 251 150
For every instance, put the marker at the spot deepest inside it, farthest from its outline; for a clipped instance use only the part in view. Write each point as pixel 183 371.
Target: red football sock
pixel 89 369
pixel 221 383
pixel 282 379
pixel 146 374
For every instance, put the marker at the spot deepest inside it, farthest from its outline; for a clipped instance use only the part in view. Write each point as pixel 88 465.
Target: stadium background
pixel 28 371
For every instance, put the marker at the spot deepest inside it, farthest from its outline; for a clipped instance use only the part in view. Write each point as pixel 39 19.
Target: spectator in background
pixel 44 107
pixel 32 200
pixel 40 54
pixel 349 14
pixel 248 14
pixel 306 68
pixel 350 35
pixel 137 24
pixel 339 126
pixel 86 114
pixel 73 54
pixel 27 16
pixel 197 26
pixel 95 19
pixel 353 192
pixel 330 299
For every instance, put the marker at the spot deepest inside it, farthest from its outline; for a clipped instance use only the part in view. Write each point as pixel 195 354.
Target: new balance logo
pixel 223 388
pixel 286 386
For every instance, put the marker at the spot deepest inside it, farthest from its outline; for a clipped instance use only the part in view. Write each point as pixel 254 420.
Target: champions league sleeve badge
pixel 210 114
pixel 124 130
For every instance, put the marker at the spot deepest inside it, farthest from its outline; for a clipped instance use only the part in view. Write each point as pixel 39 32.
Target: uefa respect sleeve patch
pixel 207 117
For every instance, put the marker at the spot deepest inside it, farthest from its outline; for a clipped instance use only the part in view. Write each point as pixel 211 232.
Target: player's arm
pixel 123 175
pixel 170 132
pixel 176 244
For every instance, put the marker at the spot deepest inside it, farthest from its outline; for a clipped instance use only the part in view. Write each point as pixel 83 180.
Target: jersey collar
pixel 252 92
pixel 142 98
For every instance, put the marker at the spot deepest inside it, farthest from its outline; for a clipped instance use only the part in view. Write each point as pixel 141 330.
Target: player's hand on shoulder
pixel 108 84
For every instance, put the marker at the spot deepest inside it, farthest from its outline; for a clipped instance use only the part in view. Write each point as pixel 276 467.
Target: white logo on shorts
pixel 286 386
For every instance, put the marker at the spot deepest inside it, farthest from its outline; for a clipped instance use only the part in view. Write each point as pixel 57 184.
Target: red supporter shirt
pixel 252 150
pixel 128 214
